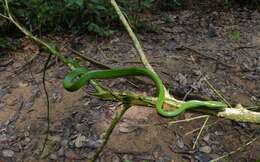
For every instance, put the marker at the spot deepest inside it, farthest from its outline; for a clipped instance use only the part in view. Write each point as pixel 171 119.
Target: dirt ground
pixel 222 45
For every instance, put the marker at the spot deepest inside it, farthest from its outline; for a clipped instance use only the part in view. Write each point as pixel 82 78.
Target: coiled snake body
pixel 80 76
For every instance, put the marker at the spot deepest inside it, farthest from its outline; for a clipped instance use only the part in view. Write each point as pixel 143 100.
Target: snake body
pixel 80 76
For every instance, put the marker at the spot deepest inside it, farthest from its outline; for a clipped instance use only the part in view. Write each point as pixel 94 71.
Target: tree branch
pixel 238 113
pixel 137 45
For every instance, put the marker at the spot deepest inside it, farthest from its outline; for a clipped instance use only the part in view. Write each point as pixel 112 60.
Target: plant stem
pixel 109 131
pixel 238 113
pixel 136 44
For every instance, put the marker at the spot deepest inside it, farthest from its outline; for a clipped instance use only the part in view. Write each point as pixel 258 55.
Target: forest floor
pixel 223 46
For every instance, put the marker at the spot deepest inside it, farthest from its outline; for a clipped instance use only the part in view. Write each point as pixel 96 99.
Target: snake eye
pixel 76 77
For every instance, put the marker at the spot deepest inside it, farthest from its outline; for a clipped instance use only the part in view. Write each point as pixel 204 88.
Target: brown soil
pixel 180 50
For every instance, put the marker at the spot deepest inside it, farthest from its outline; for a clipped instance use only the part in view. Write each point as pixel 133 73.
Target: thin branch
pixel 238 113
pixel 137 45
pixel 89 59
pixel 47 102
pixel 217 92
pixel 2 15
pixel 197 129
pixel 204 55
pixel 235 151
pixel 51 49
pixel 211 86
pixel 30 35
pixel 172 122
pixel 30 60
pixel 203 126
pixel 109 131
pixel 188 120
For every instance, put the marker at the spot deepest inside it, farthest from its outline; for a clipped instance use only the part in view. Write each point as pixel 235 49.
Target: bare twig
pixel 245 47
pixel 16 114
pixel 188 120
pixel 109 131
pixel 207 56
pixel 31 36
pixel 2 15
pixel 203 126
pixel 26 64
pixel 137 45
pixel 47 102
pixel 90 59
pixel 217 92
pixel 237 114
pixel 172 122
pixel 197 129
pixel 235 151
pixel 210 85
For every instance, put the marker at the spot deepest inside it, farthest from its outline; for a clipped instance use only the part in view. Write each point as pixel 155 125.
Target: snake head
pixel 216 104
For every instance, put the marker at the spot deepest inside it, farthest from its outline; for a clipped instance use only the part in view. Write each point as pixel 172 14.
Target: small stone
pixel 126 127
pixel 197 72
pixel 23 84
pixel 53 157
pixel 56 97
pixel 214 156
pixel 11 101
pixel 27 134
pixel 28 104
pixel 258 68
pixel 3 138
pixel 205 149
pixel 36 91
pixel 90 155
pixel 212 31
pixel 219 133
pixel 180 143
pixel 156 152
pixel 2 69
pixel 145 157
pixel 79 141
pixel 171 45
pixel 71 155
pixel 55 138
pixel 182 79
pixel 2 105
pixel 8 153
pixel 115 159
pixel 127 157
pixel 93 144
pixel 78 127
pixel 27 139
pixel 61 151
pixel 3 92
pixel 165 158
pixel 13 137
pixel 86 103
pixel 17 64
pixel 206 138
pixel 64 142
pixel 201 157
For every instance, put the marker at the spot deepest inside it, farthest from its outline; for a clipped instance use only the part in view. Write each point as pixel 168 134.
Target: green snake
pixel 80 76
